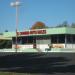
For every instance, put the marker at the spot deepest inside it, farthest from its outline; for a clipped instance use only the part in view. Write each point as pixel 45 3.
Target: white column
pixel 65 40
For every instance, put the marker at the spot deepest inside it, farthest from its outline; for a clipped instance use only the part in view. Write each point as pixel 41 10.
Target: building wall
pixel 43 44
pixel 61 45
pixel 23 46
pixel 70 45
pixel 50 31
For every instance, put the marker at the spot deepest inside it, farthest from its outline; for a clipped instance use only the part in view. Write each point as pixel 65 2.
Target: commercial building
pixel 60 38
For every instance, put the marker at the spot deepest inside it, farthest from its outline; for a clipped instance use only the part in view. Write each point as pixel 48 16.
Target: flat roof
pixel 5 38
pixel 47 31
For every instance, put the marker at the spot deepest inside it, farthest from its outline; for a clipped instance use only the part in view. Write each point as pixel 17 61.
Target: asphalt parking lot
pixel 44 63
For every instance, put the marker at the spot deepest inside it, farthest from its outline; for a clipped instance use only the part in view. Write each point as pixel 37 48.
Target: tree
pixel 5 44
pixel 64 24
pixel 73 25
pixel 6 30
pixel 2 44
pixel 39 25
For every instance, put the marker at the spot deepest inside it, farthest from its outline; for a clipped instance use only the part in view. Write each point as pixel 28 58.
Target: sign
pixel 57 46
pixel 32 32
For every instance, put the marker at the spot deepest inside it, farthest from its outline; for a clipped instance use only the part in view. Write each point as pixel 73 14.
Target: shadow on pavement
pixel 38 62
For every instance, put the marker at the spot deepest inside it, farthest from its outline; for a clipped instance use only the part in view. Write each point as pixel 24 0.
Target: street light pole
pixel 16 23
pixel 16 4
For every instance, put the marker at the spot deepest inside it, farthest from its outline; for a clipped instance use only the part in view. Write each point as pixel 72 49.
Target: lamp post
pixel 16 4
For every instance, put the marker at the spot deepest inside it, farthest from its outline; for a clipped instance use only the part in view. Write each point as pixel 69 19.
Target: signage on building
pixel 58 46
pixel 32 32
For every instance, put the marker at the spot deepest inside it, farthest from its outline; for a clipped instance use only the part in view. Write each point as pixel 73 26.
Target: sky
pixel 50 12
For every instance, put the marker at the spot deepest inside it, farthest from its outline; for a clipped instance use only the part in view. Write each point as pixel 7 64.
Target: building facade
pixel 44 39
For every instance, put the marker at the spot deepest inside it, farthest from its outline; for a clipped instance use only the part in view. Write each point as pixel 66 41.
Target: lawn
pixel 12 73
